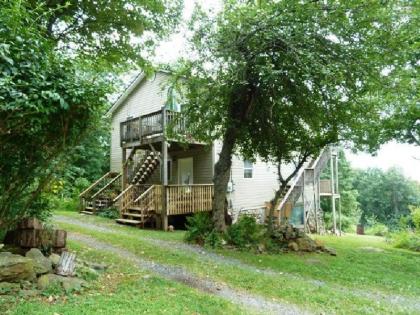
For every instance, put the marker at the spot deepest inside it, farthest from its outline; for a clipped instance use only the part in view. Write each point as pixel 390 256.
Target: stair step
pixel 89 208
pixel 128 221
pixel 134 215
pixel 86 212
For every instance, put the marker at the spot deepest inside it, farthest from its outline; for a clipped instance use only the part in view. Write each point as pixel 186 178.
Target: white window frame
pixel 248 166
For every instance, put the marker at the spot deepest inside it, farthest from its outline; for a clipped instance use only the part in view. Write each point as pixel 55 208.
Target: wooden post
pixel 124 169
pixel 338 192
pixel 333 191
pixel 164 174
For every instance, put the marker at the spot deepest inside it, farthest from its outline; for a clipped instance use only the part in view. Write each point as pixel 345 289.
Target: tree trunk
pixel 274 203
pixel 221 178
pixel 66 264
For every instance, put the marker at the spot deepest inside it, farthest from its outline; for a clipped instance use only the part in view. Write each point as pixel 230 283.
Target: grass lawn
pixel 124 289
pixel 365 277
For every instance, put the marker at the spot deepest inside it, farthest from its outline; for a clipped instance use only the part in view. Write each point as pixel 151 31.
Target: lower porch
pixel 142 204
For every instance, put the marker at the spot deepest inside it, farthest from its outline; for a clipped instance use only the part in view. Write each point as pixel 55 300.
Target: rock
pixel 171 228
pixel 1 246
pixel 54 258
pixel 42 264
pixel 14 268
pixel 306 244
pixel 319 245
pixel 87 273
pixel 25 284
pixel 293 246
pixel 9 288
pixel 98 266
pixel 261 248
pixel 48 280
pixel 71 284
pixel 330 251
pixel 28 293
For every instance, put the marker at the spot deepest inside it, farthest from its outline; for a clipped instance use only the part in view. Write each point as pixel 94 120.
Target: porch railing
pixel 184 199
pixel 155 123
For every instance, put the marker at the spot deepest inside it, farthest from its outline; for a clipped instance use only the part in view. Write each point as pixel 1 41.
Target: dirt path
pixel 240 298
pixel 397 300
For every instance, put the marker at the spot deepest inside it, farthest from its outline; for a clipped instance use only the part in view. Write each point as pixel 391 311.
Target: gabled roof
pixel 133 85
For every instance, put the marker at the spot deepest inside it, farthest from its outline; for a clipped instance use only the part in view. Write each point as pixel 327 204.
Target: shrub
pixel 199 226
pixel 110 213
pixel 407 240
pixel 245 233
pixel 415 215
pixel 377 229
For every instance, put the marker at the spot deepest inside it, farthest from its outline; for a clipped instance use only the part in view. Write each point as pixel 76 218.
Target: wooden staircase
pixel 138 201
pixel 100 194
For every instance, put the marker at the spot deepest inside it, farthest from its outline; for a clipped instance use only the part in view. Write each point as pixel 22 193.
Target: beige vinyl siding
pixel 202 165
pixel 149 96
pixel 255 191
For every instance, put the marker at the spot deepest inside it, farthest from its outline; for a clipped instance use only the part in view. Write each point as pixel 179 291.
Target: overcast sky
pixel 404 156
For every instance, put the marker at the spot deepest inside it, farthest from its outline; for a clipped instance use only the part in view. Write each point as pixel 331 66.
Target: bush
pixel 407 240
pixel 377 229
pixel 245 233
pixel 110 213
pixel 415 215
pixel 199 227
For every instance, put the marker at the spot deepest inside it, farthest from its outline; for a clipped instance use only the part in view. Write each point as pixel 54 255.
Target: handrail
pixel 107 185
pixel 94 184
pixel 144 193
pixel 298 177
pixel 122 193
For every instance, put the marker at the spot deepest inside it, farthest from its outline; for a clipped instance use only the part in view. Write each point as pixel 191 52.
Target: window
pixel 248 169
pixel 173 101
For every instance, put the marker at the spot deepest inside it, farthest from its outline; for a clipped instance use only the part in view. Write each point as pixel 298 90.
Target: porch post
pixel 333 192
pixel 164 174
pixel 124 168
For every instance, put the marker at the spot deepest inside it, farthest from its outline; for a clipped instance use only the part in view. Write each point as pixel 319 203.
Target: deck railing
pixel 138 128
pixel 184 199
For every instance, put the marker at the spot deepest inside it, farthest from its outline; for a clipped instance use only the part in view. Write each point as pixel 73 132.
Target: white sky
pixel 404 156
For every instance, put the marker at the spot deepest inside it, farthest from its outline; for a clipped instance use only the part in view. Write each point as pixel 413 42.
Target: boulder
pixel 48 280
pixel 72 284
pixel 69 284
pixel 98 266
pixel 306 244
pixel 42 264
pixel 330 251
pixel 14 268
pixel 54 258
pixel 293 246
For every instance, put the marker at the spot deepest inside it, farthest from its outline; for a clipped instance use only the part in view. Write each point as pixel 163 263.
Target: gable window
pixel 248 169
pixel 173 100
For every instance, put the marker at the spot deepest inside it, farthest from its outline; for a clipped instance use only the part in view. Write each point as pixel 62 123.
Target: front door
pixel 185 171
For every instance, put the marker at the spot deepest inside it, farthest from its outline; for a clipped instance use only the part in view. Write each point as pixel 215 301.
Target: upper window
pixel 173 102
pixel 248 169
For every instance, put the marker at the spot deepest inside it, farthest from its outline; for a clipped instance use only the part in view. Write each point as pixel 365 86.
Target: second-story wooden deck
pixel 152 128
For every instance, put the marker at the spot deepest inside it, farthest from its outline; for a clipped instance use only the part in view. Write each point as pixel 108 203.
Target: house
pixel 155 177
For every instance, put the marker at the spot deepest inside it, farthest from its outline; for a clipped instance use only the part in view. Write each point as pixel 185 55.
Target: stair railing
pixel 86 194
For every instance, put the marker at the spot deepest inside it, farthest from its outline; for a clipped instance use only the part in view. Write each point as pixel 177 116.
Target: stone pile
pixel 28 272
pixel 295 239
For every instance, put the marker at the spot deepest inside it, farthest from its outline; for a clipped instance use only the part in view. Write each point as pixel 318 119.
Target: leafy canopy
pixel 47 104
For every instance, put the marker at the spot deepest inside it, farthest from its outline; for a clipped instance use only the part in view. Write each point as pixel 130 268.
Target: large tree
pixel 117 33
pixel 282 79
pixel 55 63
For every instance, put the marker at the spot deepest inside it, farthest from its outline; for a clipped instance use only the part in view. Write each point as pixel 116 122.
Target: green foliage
pixel 199 227
pixel 48 102
pixel 377 229
pixel 110 213
pixel 385 195
pixel 245 233
pixel 112 33
pixel 406 239
pixel 415 216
